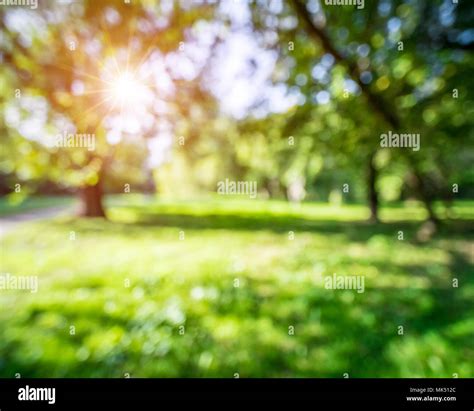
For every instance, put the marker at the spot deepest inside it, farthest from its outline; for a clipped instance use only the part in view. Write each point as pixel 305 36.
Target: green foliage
pixel 415 66
pixel 412 56
pixel 58 76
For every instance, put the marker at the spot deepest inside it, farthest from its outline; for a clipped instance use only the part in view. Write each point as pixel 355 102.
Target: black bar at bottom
pixel 438 394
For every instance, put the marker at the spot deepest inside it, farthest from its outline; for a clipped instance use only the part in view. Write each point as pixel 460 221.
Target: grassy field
pixel 214 288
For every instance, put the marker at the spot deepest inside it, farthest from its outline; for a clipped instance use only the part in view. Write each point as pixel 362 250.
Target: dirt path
pixel 9 222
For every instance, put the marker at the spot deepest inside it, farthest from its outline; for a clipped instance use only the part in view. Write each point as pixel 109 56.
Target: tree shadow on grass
pixel 434 311
pixel 357 230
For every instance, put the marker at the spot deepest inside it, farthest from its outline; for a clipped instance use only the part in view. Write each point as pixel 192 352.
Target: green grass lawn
pixel 152 292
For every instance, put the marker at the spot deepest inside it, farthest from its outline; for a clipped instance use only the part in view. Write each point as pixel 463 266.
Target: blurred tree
pixel 394 65
pixel 409 62
pixel 100 69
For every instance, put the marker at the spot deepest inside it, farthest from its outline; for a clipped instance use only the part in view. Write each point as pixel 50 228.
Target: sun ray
pixel 95 91
pixel 131 33
pixel 101 102
pixel 80 72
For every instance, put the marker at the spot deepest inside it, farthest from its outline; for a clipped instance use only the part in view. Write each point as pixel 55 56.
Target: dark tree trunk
pixel 424 195
pixel 91 201
pixel 431 214
pixel 372 190
pixel 429 208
